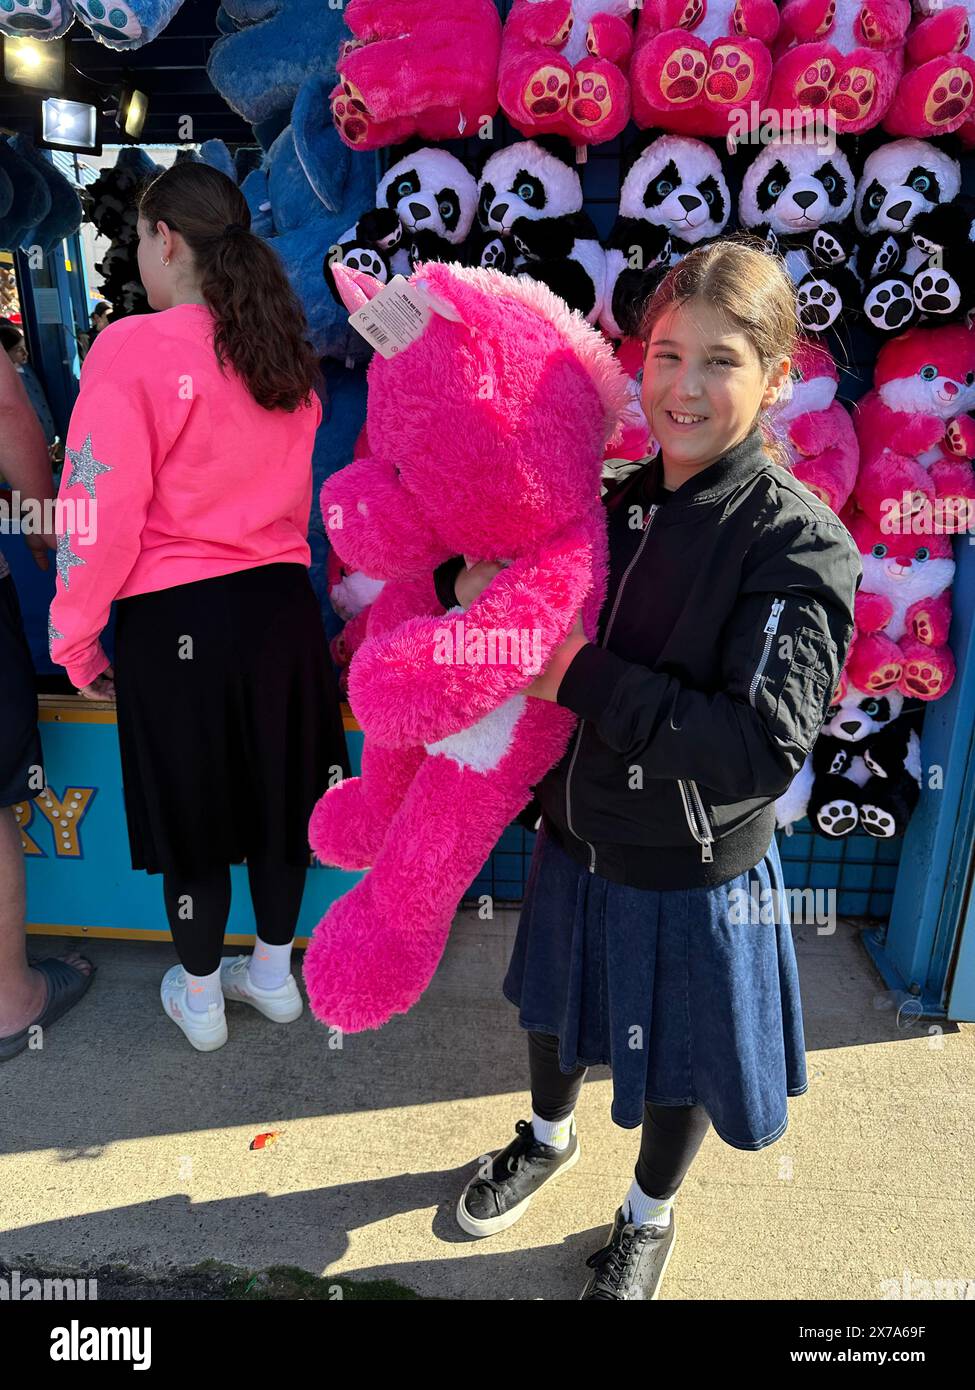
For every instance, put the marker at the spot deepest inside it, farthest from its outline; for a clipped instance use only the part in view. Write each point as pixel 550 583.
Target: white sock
pixel 554 1132
pixel 644 1210
pixel 269 966
pixel 202 991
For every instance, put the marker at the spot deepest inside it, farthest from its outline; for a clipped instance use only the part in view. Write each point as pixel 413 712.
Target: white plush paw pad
pixel 818 305
pixel 877 822
pixel 837 818
pixel 935 292
pixel 828 248
pixel 113 18
pixel 889 305
pixel 364 258
pixel 27 17
pixel 494 255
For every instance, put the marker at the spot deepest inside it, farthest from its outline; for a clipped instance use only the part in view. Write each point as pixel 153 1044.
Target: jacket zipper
pixel 651 513
pixel 693 804
pixel 770 629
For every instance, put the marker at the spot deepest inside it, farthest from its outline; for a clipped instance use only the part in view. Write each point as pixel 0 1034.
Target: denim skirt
pixel 690 996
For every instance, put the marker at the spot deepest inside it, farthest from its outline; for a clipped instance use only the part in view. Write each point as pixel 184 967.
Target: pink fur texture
pixel 563 65
pixel 414 68
pixel 699 66
pixel 487 435
pixel 841 58
pixel 917 437
pixel 937 93
pixel 816 429
pixel 902 612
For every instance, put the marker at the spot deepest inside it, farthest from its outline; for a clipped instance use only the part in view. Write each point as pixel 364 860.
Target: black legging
pixel 671 1134
pixel 198 908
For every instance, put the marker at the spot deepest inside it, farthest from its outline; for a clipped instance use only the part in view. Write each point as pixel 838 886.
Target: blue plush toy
pixel 63 216
pixel 125 23
pixel 30 202
pixel 36 19
pixel 315 189
pixel 259 69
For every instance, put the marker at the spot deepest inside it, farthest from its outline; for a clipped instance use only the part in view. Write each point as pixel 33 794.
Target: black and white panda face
pixel 678 183
pixel 524 180
pixel 795 187
pixel 858 715
pixel 431 191
pixel 900 180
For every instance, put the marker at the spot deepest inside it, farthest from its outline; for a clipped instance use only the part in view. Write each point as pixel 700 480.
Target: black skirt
pixel 229 722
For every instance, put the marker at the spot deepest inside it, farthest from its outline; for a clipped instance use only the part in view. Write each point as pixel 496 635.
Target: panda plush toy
pixel 915 251
pixel 674 197
pixel 425 209
pixel 529 208
pixel 866 766
pixel 797 195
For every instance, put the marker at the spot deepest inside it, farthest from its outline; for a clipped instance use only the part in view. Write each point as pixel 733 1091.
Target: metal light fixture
pixel 133 108
pixel 69 125
pixel 30 63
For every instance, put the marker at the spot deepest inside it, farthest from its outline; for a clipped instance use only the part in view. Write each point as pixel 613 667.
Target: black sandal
pixel 65 986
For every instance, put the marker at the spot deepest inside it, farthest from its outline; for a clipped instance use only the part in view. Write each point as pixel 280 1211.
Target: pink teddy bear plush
pixel 917 439
pixel 563 68
pixel 487 432
pixel 414 69
pixel 816 429
pixel 843 58
pixel 937 93
pixel 902 612
pixel 698 65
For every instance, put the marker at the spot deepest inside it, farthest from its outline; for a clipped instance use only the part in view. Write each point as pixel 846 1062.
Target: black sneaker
pixel 492 1204
pixel 633 1263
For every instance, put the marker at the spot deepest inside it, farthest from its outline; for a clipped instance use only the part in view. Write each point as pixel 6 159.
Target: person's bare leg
pixel 23 991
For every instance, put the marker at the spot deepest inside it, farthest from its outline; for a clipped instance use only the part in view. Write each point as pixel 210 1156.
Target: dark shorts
pixel 21 760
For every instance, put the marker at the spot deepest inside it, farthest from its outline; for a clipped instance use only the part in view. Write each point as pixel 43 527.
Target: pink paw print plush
pixel 698 65
pixel 840 58
pixel 416 69
pixel 917 436
pixel 816 429
pixel 902 612
pixel 563 68
pixel 937 93
pixel 486 431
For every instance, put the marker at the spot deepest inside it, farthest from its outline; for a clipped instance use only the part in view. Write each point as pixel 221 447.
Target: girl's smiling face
pixel 703 386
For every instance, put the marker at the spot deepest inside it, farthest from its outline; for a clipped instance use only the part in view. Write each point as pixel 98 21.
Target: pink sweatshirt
pixel 173 473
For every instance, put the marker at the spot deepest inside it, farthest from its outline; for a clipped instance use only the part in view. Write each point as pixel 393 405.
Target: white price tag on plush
pixel 394 318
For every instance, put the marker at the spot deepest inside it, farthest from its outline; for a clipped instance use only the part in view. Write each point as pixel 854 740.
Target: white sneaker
pixel 206 1031
pixel 281 1005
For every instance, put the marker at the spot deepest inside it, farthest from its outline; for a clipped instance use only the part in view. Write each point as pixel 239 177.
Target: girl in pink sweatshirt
pixel 186 496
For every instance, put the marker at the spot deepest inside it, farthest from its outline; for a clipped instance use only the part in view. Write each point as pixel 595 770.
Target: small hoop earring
pixel 164 259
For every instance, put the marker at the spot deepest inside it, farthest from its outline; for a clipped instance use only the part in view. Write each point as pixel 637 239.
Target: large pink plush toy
pixel 487 434
pixel 816 429
pixel 842 58
pixel 937 93
pixel 902 612
pixel 698 65
pixel 563 68
pixel 416 69
pixel 917 439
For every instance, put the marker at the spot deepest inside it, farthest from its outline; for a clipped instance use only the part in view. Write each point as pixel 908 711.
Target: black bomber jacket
pixel 728 617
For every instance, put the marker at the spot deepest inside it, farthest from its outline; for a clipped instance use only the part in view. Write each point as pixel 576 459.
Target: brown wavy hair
pixel 260 326
pixel 753 288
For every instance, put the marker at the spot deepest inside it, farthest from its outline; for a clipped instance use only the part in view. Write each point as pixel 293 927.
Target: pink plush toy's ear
pixel 440 306
pixel 355 287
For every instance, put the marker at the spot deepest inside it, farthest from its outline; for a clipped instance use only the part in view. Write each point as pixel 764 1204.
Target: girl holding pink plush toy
pixel 700 681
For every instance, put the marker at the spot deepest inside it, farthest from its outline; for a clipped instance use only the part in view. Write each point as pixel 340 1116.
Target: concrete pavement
pixel 119 1144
